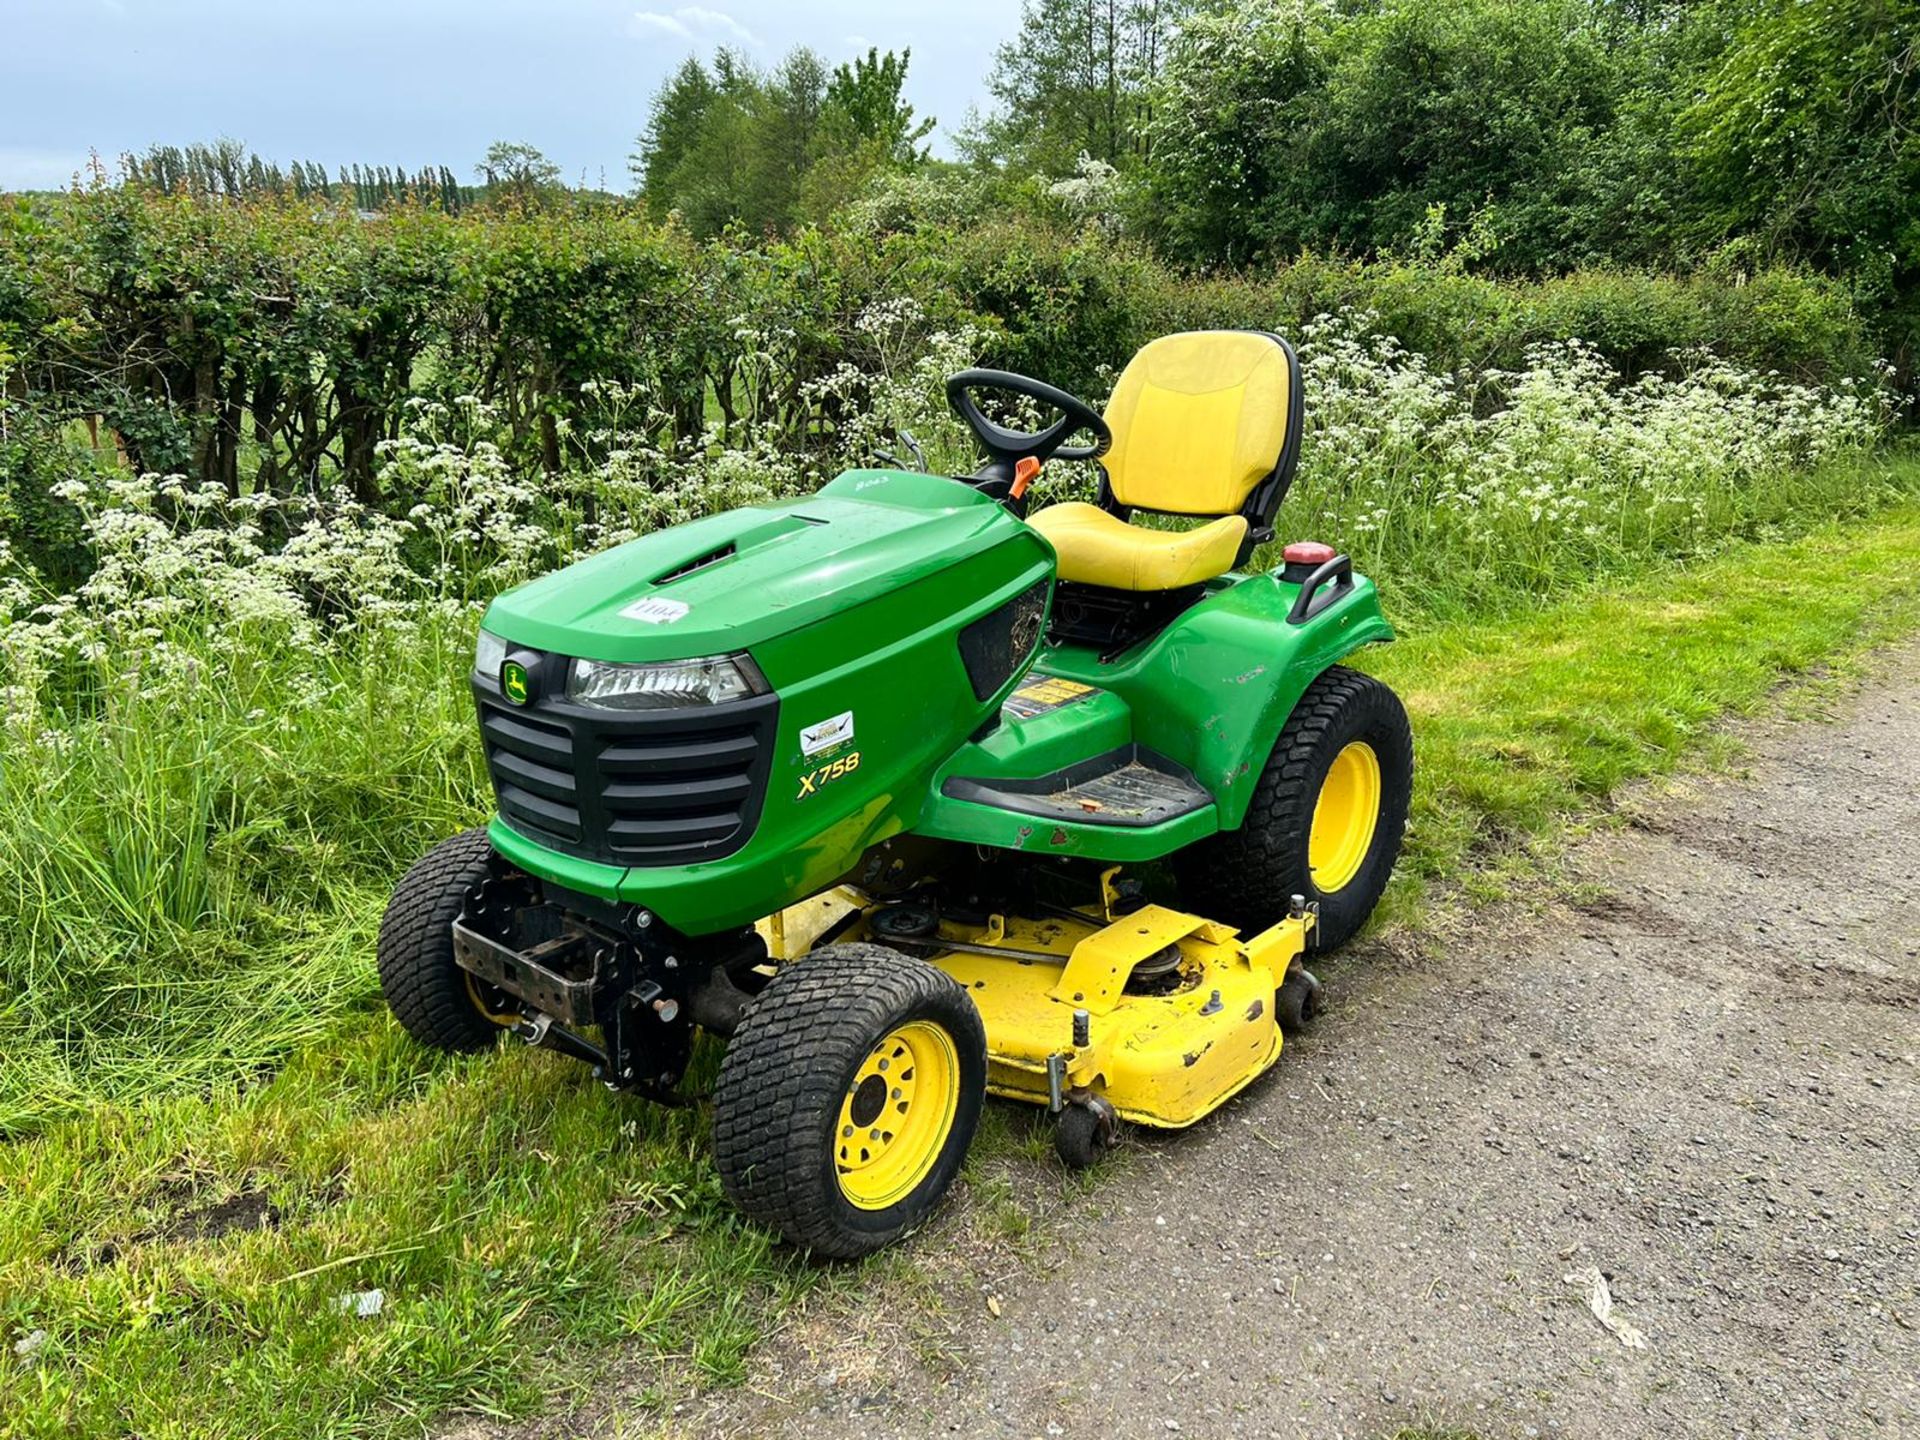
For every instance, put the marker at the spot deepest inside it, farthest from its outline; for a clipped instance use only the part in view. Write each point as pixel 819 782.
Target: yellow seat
pixel 1199 421
pixel 1097 548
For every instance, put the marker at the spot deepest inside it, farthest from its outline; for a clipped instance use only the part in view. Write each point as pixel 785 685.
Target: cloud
pixel 693 23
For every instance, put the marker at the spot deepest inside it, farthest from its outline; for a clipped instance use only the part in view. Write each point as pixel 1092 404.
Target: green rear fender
pixel 1211 692
pixel 1215 690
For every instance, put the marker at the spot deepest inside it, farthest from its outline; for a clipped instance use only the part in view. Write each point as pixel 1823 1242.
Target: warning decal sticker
pixel 1044 693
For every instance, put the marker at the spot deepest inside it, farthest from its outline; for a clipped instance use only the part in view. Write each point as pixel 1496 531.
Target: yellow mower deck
pixel 1163 1055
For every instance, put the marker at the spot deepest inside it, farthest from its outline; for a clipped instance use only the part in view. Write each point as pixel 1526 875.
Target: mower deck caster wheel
pixel 1085 1132
pixel 1298 1002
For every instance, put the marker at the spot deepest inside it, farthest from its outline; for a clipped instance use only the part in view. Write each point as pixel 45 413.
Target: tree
pixel 867 130
pixel 1078 79
pixel 784 132
pixel 728 144
pixel 700 150
pixel 864 107
pixel 1542 126
pixel 676 119
pixel 518 171
pixel 1803 138
pixel 1237 100
pixel 1465 104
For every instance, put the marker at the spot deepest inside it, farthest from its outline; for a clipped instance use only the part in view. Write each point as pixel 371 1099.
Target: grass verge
pixel 177 1266
pixel 1521 722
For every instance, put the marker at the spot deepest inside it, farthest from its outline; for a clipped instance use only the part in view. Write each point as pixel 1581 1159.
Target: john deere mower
pixel 913 798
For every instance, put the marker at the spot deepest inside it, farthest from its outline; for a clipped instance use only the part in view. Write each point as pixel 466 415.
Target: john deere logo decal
pixel 514 683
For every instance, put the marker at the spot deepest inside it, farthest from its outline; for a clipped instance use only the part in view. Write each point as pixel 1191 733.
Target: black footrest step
pixel 1130 786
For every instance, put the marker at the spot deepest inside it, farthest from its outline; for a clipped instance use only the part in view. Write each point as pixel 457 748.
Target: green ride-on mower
pixel 856 782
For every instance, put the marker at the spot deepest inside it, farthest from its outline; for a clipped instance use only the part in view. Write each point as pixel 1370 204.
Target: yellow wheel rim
pixel 1344 817
pixel 505 1019
pixel 897 1115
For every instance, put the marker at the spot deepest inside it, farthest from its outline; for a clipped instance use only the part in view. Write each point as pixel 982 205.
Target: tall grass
pixel 190 868
pixel 221 748
pixel 1466 492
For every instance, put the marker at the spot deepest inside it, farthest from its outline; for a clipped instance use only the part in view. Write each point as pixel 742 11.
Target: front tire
pixel 1326 819
pixel 848 1097
pixel 435 1001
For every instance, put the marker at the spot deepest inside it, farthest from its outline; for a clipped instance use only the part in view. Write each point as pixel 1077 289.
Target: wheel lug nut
pixel 847 1134
pixel 875 1135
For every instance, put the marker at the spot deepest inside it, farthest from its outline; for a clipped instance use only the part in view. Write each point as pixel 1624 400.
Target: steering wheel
pixel 1010 446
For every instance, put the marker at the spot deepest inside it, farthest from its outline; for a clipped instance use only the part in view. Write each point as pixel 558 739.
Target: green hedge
pixel 1071 304
pixel 275 343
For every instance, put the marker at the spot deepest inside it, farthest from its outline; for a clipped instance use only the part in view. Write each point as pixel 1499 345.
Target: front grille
pixel 662 787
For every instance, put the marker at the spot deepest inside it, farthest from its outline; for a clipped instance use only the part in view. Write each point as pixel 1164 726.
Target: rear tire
pixel 435 1001
pixel 848 1097
pixel 1352 729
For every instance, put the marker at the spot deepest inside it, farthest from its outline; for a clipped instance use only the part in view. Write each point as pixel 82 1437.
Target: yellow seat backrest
pixel 1198 420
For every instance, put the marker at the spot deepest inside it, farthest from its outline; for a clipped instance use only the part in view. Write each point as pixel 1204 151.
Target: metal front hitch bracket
pixel 529 974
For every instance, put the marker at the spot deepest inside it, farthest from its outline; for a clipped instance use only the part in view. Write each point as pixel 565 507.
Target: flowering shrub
pixel 1507 477
pixel 1454 488
pixel 1094 194
pixel 222 744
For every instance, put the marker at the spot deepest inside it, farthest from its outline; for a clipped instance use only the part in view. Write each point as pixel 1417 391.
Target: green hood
pixel 732 581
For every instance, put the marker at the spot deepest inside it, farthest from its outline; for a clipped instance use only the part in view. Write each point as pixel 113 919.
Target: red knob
pixel 1307 552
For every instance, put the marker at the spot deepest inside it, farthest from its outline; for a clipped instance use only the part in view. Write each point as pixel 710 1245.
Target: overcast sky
pixel 419 82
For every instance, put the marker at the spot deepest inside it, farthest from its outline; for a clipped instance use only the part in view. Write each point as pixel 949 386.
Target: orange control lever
pixel 1025 471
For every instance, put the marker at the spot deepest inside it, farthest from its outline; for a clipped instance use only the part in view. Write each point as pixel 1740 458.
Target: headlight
pixel 489 655
pixel 667 686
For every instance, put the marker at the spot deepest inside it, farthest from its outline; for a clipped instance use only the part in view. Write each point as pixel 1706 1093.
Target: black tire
pixel 1297 1003
pixel 1082 1136
pixel 427 992
pixel 792 1065
pixel 1246 877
